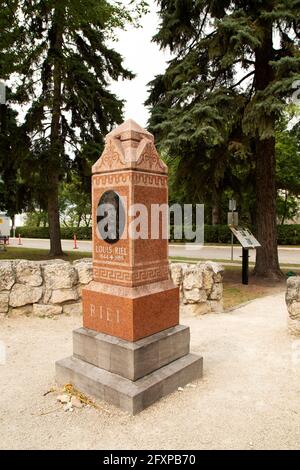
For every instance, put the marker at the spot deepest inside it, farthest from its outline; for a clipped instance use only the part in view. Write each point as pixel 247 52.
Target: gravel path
pixel 249 397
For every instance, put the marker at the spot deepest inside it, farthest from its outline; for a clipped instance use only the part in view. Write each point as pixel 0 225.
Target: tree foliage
pixel 216 107
pixel 288 153
pixel 63 67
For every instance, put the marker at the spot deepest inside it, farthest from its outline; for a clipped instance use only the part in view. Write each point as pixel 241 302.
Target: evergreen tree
pixel 15 194
pixel 288 153
pixel 234 66
pixel 288 165
pixel 65 67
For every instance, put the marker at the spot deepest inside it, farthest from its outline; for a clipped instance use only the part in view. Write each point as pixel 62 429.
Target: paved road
pixel 287 255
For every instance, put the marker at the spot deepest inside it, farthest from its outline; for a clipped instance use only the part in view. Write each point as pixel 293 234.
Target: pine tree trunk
pixel 267 264
pixel 13 225
pixel 215 215
pixel 216 207
pixel 53 218
pixel 55 140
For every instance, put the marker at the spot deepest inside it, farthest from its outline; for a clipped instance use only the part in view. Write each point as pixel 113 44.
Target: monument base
pixel 130 396
pixel 130 313
pixel 132 376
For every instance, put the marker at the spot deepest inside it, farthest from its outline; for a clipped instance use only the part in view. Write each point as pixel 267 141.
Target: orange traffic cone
pixel 75 242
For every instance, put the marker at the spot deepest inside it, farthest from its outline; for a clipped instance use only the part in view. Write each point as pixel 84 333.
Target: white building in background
pixel 20 220
pixel 5 224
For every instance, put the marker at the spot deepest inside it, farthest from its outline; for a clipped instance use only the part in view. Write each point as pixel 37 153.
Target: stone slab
pixel 130 313
pixel 130 396
pixel 128 359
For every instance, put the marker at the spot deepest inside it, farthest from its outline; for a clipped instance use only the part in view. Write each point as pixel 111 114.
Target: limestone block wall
pixel 42 288
pixel 293 304
pixel 48 288
pixel 201 287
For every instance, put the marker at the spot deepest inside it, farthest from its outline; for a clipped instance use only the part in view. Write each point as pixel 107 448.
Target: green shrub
pixel 32 232
pixel 67 233
pixel 289 234
pixel 217 234
pixel 212 234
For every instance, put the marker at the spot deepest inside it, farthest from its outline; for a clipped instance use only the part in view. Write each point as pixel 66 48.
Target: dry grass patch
pixel 235 293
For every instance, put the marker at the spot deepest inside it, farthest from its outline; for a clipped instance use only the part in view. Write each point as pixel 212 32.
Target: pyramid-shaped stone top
pixel 130 130
pixel 129 147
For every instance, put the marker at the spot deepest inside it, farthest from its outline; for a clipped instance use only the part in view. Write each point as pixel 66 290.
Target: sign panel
pixel 245 237
pixel 232 205
pixel 233 218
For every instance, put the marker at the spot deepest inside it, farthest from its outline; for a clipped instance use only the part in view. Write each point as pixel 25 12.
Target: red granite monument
pixel 131 349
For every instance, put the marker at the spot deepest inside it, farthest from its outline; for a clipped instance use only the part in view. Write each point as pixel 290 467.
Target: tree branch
pixel 243 79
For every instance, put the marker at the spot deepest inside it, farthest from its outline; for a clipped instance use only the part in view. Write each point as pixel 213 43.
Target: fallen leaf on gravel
pixel 76 402
pixel 68 388
pixel 68 407
pixel 63 398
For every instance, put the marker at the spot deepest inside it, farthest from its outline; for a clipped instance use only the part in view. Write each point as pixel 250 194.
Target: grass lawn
pixel 35 254
pixel 234 292
pixel 238 294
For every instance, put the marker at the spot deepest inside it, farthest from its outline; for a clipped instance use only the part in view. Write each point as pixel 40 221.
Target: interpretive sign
pixel 245 237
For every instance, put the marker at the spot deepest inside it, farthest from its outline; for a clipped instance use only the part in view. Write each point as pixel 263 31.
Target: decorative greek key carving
pixel 121 179
pixel 135 277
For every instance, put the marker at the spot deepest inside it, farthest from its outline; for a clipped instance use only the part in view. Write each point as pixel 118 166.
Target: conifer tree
pixel 64 67
pixel 234 65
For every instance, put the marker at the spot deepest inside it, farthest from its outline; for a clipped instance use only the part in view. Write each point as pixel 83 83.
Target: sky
pixel 144 59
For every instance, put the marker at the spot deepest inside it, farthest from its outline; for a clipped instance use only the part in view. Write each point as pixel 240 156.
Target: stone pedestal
pixel 130 313
pixel 130 375
pixel 131 351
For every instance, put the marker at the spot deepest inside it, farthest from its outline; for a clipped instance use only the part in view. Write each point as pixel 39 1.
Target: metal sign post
pixel 245 267
pixel 248 241
pixel 2 106
pixel 232 208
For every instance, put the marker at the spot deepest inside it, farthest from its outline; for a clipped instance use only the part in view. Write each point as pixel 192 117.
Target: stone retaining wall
pixel 201 287
pixel 293 304
pixel 47 288
pixel 42 288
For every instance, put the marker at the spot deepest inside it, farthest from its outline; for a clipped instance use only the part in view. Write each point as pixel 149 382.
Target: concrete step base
pixel 128 359
pixel 126 394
